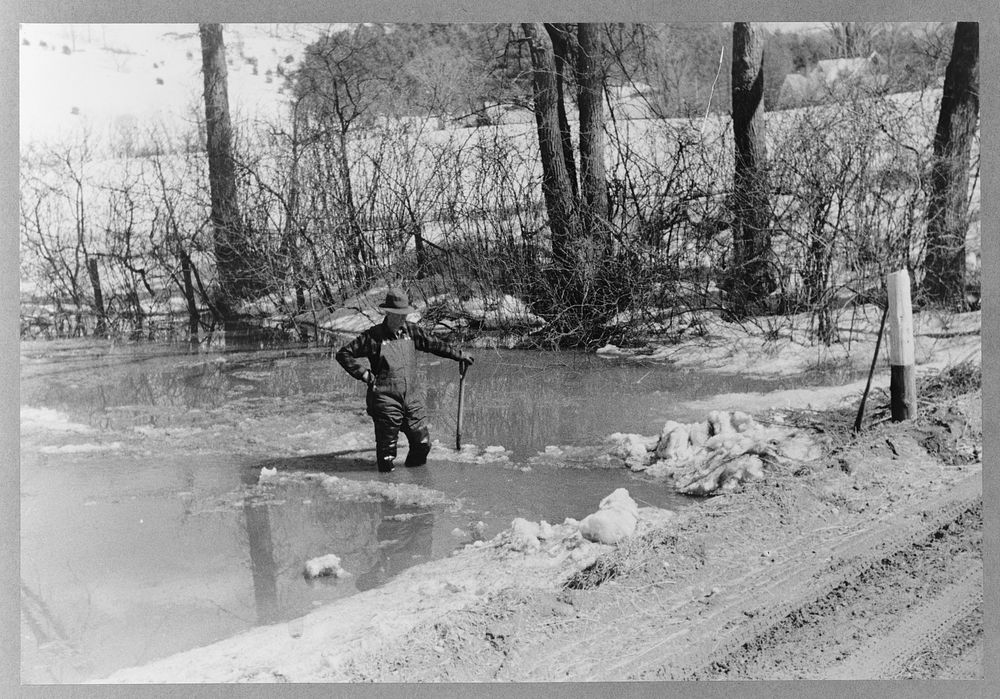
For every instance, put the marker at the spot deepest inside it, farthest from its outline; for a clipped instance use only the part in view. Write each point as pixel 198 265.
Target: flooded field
pixel 146 527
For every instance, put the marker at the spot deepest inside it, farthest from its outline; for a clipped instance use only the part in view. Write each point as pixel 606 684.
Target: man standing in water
pixel 395 400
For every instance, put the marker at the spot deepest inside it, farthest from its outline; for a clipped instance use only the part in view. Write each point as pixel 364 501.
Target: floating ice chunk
pixel 324 566
pixel 494 450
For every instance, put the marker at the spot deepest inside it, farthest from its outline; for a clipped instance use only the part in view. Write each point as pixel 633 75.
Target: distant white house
pixel 832 77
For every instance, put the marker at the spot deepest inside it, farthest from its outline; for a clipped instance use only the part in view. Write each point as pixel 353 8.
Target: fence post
pixel 903 380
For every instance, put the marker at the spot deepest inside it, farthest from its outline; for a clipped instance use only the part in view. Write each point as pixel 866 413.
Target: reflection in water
pixel 262 566
pixel 402 536
pixel 374 540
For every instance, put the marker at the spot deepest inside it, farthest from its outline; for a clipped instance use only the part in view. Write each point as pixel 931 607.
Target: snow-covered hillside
pixel 113 78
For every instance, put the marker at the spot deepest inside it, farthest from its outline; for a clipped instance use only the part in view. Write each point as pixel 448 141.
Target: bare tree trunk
pixel 752 280
pixel 95 283
pixel 193 317
pixel 222 170
pixel 556 185
pixel 590 77
pixel 418 245
pixel 290 248
pixel 948 208
pixel 562 37
pixel 355 239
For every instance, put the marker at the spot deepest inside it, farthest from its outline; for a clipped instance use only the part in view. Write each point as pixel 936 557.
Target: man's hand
pixel 369 378
pixel 465 361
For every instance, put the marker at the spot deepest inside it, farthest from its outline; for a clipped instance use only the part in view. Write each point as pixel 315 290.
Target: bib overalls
pixel 396 403
pixel 395 399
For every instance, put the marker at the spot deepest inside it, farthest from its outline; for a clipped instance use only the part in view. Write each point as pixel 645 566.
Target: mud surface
pixel 855 568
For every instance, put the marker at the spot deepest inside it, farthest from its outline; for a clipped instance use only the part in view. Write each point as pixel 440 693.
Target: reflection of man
pixel 394 399
pixel 403 541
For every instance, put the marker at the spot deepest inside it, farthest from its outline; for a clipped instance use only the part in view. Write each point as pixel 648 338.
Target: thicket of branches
pixel 361 186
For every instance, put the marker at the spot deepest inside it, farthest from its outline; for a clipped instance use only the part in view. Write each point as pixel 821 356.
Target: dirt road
pixel 866 566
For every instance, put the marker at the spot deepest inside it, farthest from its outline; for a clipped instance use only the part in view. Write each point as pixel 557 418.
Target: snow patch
pixel 325 566
pixel 495 314
pixel 610 350
pixel 80 448
pixel 47 419
pixel 721 346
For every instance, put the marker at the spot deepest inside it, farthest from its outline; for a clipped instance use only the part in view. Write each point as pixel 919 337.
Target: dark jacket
pixel 368 345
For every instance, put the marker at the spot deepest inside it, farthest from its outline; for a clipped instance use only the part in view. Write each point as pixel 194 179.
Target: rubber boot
pixel 385 464
pixel 384 454
pixel 419 449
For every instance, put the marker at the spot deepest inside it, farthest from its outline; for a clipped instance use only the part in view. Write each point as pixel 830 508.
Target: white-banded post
pixel 903 380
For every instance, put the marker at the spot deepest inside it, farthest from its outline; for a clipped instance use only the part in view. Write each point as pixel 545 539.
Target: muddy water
pixel 144 530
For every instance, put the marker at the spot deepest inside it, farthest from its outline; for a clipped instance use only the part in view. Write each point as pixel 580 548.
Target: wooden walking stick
pixel 871 371
pixel 461 394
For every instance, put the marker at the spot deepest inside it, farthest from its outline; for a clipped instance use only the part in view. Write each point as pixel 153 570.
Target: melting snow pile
pixel 633 449
pixel 493 314
pixel 325 566
pixel 713 456
pixel 615 519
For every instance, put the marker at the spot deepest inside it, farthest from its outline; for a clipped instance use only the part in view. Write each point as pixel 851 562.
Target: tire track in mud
pixel 968 665
pixel 713 631
pixel 892 619
pixel 922 628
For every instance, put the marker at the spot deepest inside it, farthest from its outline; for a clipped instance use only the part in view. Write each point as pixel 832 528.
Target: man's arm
pixel 347 356
pixel 425 342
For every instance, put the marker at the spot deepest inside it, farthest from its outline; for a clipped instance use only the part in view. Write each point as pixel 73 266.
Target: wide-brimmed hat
pixel 397 301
